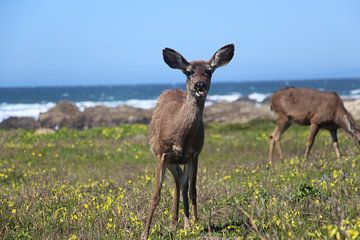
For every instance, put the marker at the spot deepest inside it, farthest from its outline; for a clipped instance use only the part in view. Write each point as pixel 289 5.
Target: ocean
pixel 30 101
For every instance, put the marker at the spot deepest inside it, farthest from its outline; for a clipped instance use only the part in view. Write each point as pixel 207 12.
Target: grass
pixel 97 184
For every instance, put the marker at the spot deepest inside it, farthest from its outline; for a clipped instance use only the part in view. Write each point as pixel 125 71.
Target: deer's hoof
pixel 174 225
pixel 186 223
pixel 144 236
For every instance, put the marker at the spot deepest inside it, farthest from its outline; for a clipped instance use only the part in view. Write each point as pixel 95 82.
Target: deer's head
pixel 198 73
pixel 352 129
pixel 356 138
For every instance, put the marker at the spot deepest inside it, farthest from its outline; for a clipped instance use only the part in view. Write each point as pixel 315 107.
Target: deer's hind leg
pixel 177 173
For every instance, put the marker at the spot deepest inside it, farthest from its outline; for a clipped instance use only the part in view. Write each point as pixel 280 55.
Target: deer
pixel 320 110
pixel 176 130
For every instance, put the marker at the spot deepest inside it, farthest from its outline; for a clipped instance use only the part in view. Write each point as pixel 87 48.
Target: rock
pixel 134 115
pixel 41 131
pixel 238 111
pixel 64 114
pixel 104 116
pixel 93 116
pixel 244 110
pixel 352 105
pixel 20 122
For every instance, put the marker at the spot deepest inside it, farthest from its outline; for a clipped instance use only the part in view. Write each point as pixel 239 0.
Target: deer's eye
pixel 189 72
pixel 208 72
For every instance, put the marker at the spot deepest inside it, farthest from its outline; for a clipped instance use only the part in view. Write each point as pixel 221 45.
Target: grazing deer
pixel 311 107
pixel 177 131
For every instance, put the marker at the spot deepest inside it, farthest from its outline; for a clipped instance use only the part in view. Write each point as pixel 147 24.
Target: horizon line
pixel 181 82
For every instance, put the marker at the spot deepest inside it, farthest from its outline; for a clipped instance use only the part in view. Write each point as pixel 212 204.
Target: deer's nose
pixel 200 85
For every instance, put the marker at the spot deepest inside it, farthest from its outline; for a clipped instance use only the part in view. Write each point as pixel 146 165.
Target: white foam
pixel 355 92
pixel 258 97
pixel 353 96
pixel 145 104
pixel 23 110
pixel 34 109
pixel 228 98
pixel 211 99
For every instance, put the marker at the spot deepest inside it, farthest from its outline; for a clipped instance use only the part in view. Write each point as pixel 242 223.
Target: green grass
pixel 97 184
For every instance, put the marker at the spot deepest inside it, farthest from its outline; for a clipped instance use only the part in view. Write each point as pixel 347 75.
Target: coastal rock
pixel 104 116
pixel 64 114
pixel 238 111
pixel 244 110
pixel 352 105
pixel 28 123
pixel 43 131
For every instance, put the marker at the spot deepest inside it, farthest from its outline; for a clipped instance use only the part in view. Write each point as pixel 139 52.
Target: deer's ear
pixel 174 59
pixel 222 56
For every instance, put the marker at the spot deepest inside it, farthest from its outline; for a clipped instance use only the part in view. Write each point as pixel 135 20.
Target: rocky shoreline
pixel 67 114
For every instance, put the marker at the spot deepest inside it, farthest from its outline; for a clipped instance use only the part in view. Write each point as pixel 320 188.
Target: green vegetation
pixel 96 184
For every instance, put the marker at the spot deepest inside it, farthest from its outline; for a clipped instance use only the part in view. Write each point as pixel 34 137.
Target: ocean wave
pixel 33 110
pixel 144 104
pixel 228 98
pixel 258 97
pixel 355 92
pixel 23 110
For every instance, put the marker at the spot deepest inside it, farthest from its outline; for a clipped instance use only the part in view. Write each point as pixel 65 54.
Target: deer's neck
pixel 194 105
pixel 190 115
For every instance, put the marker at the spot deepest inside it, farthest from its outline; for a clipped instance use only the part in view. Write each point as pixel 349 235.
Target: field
pixel 97 184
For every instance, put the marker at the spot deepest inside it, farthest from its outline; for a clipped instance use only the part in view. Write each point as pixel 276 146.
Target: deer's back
pixel 304 105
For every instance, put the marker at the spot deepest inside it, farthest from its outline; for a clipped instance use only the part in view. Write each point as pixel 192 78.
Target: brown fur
pixel 320 110
pixel 177 131
pixel 174 118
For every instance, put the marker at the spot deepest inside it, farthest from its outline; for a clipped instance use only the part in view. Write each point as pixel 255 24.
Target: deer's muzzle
pixel 200 88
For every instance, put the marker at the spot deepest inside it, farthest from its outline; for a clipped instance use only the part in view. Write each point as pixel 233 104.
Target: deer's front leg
pixel 271 146
pixel 313 131
pixel 159 176
pixel 282 124
pixel 192 175
pixel 184 190
pixel 335 142
pixel 177 173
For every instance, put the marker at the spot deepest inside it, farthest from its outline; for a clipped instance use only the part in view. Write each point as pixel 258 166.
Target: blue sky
pixel 119 42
